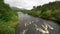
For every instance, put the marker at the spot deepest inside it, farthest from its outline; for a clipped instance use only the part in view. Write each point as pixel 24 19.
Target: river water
pixel 33 25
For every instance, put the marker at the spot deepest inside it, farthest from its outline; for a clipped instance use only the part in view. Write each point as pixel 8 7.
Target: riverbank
pixel 28 24
pixel 8 27
pixel 50 11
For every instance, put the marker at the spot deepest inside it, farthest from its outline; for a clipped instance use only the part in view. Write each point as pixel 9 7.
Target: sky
pixel 26 4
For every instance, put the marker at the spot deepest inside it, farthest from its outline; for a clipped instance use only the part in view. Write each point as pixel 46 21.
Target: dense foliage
pixel 48 11
pixel 8 19
pixel 5 11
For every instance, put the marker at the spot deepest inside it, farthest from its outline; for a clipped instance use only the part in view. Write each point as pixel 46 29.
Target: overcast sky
pixel 26 4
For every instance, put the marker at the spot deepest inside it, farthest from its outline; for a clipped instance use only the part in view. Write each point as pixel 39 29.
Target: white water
pixel 34 25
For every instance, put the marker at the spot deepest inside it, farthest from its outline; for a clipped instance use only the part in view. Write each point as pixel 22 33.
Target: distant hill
pixel 49 11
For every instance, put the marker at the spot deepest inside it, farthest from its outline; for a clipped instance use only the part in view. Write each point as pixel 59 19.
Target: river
pixel 34 25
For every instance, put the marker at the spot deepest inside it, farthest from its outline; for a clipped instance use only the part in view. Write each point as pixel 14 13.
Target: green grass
pixel 8 27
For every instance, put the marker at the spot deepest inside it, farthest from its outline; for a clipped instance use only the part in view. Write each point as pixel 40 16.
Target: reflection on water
pixel 45 28
pixel 33 25
pixel 24 31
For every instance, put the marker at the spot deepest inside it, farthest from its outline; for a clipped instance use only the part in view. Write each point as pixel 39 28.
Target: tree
pixel 5 11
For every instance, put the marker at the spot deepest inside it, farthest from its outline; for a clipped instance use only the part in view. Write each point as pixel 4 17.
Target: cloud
pixel 26 4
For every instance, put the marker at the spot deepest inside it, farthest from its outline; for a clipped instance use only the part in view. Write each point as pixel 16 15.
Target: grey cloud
pixel 26 4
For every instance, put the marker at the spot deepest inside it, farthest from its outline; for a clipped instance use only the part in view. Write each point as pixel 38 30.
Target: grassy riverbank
pixel 8 27
pixel 49 11
pixel 8 19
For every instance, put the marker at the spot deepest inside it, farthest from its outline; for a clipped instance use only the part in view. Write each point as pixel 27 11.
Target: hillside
pixel 49 11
